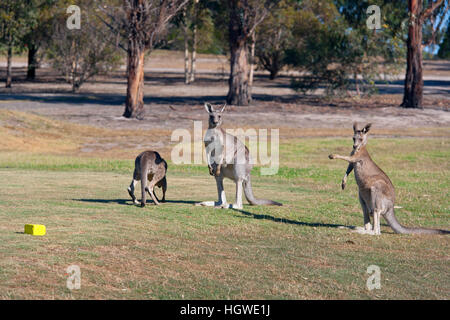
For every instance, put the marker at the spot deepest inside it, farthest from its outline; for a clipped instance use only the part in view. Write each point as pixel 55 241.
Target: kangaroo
pixel 149 166
pixel 376 191
pixel 228 157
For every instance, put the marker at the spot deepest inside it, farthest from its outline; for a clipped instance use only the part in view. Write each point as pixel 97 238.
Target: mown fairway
pixel 178 251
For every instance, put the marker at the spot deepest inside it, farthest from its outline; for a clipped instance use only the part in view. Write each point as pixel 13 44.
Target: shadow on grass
pixel 129 201
pixel 295 222
pixel 246 213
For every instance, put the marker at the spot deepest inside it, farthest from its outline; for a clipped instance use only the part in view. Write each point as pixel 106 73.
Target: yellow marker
pixel 35 229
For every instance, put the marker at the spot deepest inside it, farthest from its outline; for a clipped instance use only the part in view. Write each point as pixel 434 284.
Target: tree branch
pixel 429 11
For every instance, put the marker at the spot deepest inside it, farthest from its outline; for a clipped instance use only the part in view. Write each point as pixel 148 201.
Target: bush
pixel 82 53
pixel 338 54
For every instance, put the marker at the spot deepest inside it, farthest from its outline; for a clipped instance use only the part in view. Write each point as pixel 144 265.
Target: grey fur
pixel 149 166
pixel 228 162
pixel 376 191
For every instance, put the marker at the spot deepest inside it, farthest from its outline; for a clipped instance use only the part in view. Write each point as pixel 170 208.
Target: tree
pixel 15 21
pixel 244 17
pixel 381 51
pixel 413 88
pixel 433 30
pixel 333 45
pixel 196 28
pixel 39 33
pixel 81 53
pixel 275 37
pixel 140 23
pixel 444 48
pixel 195 22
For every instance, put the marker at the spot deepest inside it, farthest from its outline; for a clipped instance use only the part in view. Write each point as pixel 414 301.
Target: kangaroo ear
pixel 366 128
pixel 209 108
pixel 223 108
pixel 355 126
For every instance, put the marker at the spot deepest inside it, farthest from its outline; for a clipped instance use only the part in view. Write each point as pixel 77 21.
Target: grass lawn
pixel 180 251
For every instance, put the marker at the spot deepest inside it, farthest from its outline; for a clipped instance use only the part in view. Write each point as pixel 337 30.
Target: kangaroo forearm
pixel 344 179
pixel 349 169
pixel 214 163
pixel 350 159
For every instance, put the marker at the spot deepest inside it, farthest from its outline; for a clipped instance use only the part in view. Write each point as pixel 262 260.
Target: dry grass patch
pixel 27 132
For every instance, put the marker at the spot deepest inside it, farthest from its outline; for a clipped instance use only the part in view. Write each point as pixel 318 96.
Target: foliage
pixel 334 45
pixel 444 49
pixel 141 24
pixel 39 33
pixel 82 53
pixel 15 21
pixel 198 16
pixel 274 36
pixel 433 30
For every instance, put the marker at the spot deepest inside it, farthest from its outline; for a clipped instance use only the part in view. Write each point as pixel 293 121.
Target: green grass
pixel 180 251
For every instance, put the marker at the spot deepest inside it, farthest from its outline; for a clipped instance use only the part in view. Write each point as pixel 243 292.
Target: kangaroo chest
pixel 213 137
pixel 214 145
pixel 361 176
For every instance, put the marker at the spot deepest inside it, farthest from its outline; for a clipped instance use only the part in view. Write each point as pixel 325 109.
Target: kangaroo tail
pixel 251 198
pixel 398 228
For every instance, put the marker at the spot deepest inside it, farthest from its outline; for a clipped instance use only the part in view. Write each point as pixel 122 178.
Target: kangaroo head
pixel 215 116
pixel 360 135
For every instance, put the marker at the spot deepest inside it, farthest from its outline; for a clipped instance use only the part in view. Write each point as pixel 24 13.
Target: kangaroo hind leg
pixel 144 178
pixel 154 179
pixel 366 213
pixel 132 186
pixel 222 201
pixel 238 203
pixel 151 191
pixel 131 189
pixel 379 206
pixel 163 184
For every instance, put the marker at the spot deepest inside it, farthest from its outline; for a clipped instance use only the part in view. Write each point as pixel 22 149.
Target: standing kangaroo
pixel 376 192
pixel 228 158
pixel 149 166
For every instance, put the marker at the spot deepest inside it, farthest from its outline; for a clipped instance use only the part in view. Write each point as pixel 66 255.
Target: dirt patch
pixel 170 104
pixel 306 112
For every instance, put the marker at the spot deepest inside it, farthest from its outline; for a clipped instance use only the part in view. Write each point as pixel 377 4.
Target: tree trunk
pixel 413 91
pixel 32 63
pixel 186 48
pixel 355 76
pixel 194 43
pixel 273 74
pixel 9 67
pixel 186 60
pixel 194 54
pixel 134 104
pixel 238 93
pixel 252 60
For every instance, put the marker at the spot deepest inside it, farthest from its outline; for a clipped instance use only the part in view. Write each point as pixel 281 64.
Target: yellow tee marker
pixel 35 229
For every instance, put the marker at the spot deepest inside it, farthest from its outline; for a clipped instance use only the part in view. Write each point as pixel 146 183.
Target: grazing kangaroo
pixel 376 192
pixel 149 166
pixel 228 158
